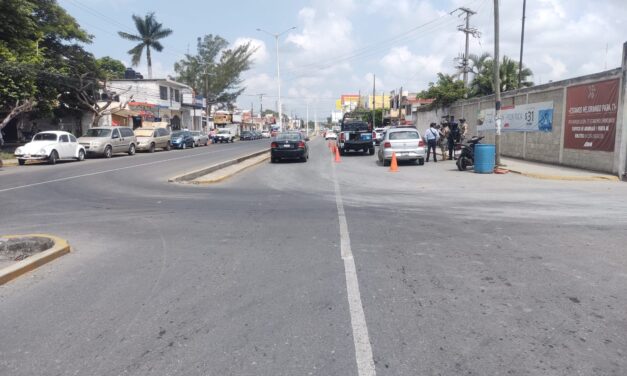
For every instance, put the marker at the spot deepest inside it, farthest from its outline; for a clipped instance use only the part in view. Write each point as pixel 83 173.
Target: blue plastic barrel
pixel 484 158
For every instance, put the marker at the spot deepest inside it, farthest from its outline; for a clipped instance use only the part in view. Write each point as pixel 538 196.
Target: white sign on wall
pixel 533 117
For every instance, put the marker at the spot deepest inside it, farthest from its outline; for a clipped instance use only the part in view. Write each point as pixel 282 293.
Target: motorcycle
pixel 467 156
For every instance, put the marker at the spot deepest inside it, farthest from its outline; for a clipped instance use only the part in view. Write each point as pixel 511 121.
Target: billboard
pixel 591 111
pixel 533 117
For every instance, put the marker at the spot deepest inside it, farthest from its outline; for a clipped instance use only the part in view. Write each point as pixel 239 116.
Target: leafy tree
pixel 215 70
pixel 445 91
pixel 36 55
pixel 111 68
pixel 150 32
pixel 483 69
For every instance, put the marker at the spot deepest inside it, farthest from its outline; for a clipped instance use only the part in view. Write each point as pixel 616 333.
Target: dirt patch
pixel 17 249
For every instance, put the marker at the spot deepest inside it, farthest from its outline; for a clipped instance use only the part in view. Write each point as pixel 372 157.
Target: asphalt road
pixel 458 273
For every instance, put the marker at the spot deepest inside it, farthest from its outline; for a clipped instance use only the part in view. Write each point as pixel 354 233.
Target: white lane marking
pixel 363 350
pixel 107 171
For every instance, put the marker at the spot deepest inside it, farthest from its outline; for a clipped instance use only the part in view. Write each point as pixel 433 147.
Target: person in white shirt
pixel 432 135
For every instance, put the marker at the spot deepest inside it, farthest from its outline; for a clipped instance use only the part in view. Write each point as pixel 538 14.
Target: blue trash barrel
pixel 484 158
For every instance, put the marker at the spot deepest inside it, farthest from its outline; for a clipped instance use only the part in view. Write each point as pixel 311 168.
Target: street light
pixel 278 69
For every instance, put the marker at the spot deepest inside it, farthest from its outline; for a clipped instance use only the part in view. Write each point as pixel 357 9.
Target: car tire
pixel 421 162
pixel 21 162
pixel 371 151
pixel 151 149
pixel 81 155
pixel 108 153
pixel 193 145
pixel 386 163
pixel 168 146
pixel 54 156
pixel 131 149
pixel 183 146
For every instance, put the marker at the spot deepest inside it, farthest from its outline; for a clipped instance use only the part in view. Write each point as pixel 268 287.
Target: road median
pixel 59 248
pixel 222 170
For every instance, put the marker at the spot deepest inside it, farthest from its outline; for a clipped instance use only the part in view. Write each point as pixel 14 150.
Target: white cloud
pixel 401 65
pixel 261 54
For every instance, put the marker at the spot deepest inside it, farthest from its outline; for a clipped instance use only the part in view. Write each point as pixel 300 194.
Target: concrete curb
pixel 187 177
pixel 8 162
pixel 565 177
pixel 61 247
pixel 226 176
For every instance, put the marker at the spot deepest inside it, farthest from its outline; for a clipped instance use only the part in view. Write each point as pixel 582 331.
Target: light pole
pixel 278 69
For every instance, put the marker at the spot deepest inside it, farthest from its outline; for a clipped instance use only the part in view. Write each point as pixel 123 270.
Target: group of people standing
pixel 445 136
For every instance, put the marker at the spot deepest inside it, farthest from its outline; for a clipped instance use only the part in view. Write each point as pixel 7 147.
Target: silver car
pixel 200 138
pixel 406 142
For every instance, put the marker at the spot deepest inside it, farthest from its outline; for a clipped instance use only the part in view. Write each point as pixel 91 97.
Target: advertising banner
pixel 591 111
pixel 533 117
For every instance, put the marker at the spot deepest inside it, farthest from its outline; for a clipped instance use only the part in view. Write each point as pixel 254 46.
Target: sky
pixel 338 46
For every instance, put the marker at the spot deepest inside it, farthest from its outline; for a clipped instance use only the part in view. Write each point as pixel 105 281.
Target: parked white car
pixel 51 146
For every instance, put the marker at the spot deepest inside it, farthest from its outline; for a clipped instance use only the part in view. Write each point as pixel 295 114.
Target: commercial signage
pixel 533 117
pixel 591 111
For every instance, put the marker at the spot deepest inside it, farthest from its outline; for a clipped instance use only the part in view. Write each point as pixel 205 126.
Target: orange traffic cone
pixel 337 155
pixel 394 164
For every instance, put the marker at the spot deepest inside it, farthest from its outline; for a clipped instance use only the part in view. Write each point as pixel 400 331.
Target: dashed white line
pixel 363 349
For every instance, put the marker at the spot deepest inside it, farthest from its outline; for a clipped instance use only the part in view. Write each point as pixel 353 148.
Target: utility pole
pixel 374 100
pixel 308 116
pixel 522 43
pixel 465 67
pixel 497 85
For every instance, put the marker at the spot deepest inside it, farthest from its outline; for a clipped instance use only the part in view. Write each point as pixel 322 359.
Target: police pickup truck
pixel 355 135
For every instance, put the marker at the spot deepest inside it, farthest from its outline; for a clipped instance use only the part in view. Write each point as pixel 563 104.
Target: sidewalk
pixel 8 162
pixel 547 171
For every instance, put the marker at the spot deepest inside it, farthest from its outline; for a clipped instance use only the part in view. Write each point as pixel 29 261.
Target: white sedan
pixel 330 136
pixel 50 146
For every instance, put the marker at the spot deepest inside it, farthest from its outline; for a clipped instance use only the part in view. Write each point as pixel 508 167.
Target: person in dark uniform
pixel 453 138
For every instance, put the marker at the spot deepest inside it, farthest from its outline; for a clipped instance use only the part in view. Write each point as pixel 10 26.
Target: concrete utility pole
pixel 497 85
pixel 374 99
pixel 468 31
pixel 307 116
pixel 522 43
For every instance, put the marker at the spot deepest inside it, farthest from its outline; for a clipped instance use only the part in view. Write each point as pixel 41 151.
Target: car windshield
pixel 177 134
pixel 98 132
pixel 404 135
pixel 45 137
pixel 144 132
pixel 223 131
pixel 288 137
pixel 195 133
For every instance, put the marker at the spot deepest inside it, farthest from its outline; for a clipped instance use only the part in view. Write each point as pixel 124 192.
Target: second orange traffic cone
pixel 394 164
pixel 337 155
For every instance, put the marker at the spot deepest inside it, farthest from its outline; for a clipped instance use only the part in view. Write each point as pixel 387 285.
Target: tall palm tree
pixel 483 69
pixel 150 31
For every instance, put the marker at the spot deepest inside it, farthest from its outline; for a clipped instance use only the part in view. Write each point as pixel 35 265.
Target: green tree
pixel 111 68
pixel 215 70
pixel 483 69
pixel 445 91
pixel 150 32
pixel 37 46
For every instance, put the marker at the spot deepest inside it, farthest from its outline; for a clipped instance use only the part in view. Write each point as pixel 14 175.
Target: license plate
pixel 285 146
pixel 404 154
pixel 366 137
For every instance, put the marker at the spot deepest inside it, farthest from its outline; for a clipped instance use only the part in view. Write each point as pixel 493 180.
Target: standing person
pixel 463 129
pixel 432 135
pixel 453 138
pixel 444 131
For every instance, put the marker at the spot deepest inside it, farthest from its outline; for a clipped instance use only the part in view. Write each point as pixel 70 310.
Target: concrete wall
pixel 547 147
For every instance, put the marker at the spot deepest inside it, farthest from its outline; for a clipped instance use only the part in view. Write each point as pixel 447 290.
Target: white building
pixel 159 100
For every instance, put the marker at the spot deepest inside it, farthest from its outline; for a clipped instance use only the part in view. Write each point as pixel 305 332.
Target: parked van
pixel 106 141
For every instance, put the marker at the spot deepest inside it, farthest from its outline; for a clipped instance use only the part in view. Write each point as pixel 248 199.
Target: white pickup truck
pixel 225 135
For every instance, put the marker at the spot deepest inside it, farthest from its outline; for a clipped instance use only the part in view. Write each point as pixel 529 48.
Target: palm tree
pixel 150 31
pixel 483 69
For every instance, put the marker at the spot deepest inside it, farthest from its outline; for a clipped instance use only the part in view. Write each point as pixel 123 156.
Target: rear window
pixel 288 137
pixel 355 127
pixel 144 132
pixel 404 135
